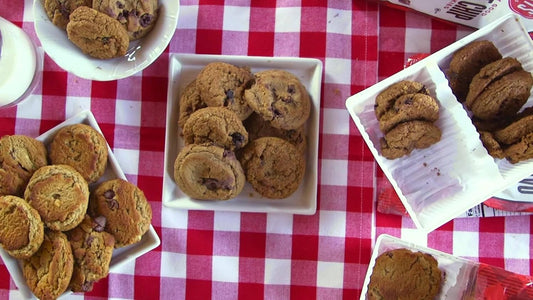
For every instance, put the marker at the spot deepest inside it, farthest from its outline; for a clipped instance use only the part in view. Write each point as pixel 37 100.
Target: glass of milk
pixel 18 64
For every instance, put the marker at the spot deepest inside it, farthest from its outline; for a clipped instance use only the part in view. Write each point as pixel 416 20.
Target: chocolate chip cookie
pixel 97 34
pixel 273 166
pixel 466 63
pixel 60 195
pixel 20 157
pixel 137 17
pixel 208 172
pixel 407 136
pixel 215 125
pixel 49 270
pixel 280 98
pixel 81 147
pixel 223 84
pixel 408 107
pixel 92 248
pixel 59 10
pixel 189 102
pixel 126 210
pixel 21 228
pixel 386 98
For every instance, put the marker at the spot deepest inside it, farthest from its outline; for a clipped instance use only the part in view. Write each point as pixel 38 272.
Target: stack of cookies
pixel 63 232
pixel 242 127
pixel 406 113
pixel 494 90
pixel 103 28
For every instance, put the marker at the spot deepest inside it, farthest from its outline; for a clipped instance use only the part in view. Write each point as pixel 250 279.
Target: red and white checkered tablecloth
pixel 229 255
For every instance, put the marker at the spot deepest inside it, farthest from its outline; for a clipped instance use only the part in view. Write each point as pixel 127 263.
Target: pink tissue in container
pixel 443 181
pixel 462 278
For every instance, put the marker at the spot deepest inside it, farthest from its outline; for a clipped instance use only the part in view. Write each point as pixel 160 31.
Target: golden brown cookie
pixel 60 195
pixel 48 272
pixel 515 131
pixel 466 63
pixel 21 228
pixel 493 147
pixel 521 150
pixel 386 98
pixel 59 10
pixel 208 172
pixel 97 34
pixel 81 147
pixel 403 274
pixel 410 107
pixel 280 98
pixel 20 156
pixel 189 102
pixel 258 127
pixel 273 166
pixel 138 17
pixel 215 125
pixel 407 136
pixel 223 84
pixel 92 248
pixel 126 210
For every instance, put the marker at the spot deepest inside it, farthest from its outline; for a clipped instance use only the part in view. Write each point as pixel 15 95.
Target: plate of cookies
pixel 74 209
pixel 105 40
pixel 242 133
pixel 455 128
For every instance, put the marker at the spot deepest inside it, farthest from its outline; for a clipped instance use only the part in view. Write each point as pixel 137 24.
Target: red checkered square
pixel 208 41
pixel 152 114
pixel 145 183
pixel 253 222
pixel 100 288
pixel 53 107
pixel 496 224
pixel 198 289
pixel 361 46
pixel 303 292
pixel 251 291
pixel 199 267
pixel 199 219
pixel 493 261
pixel 312 44
pixel 4 277
pixel 154 89
pixel 199 242
pixel 261 44
pixel 104 89
pixel 54 83
pixel 390 63
pixel 251 270
pixel 108 130
pixel 46 125
pixel 152 139
pixel 355 199
pixel 146 287
pixel 305 247
pixel 391 17
pixel 262 19
pixel 357 250
pixel 388 220
pixel 252 244
pixel 158 68
pixel 7 126
pixel 354 276
pixel 305 225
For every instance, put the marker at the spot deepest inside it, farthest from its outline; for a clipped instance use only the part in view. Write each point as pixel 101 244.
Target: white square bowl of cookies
pixel 107 40
pixel 425 135
pixel 134 246
pixel 202 172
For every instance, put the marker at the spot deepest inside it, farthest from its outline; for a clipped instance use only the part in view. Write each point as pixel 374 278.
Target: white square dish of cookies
pixel 204 172
pixel 120 255
pixel 113 40
pixel 437 155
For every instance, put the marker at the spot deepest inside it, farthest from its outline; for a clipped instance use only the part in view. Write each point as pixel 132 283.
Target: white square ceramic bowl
pixel 141 53
pixel 439 183
pixel 183 69
pixel 459 274
pixel 120 256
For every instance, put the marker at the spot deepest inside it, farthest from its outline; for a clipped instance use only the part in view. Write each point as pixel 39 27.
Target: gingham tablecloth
pixel 229 255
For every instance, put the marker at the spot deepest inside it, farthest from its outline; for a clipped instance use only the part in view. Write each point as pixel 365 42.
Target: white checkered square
pixel 419 40
pixel 278 271
pixel 288 19
pixel 236 18
pixel 332 223
pixel 188 17
pixel 75 105
pixel 225 268
pixel 339 21
pixel 415 236
pixel 334 172
pixel 339 70
pixel 279 223
pixel 125 157
pixel 173 264
pixel 516 245
pixel 330 274
pixel 30 108
pixel 128 112
pixel 470 249
pixel 336 121
pixel 174 218
pixel 227 221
